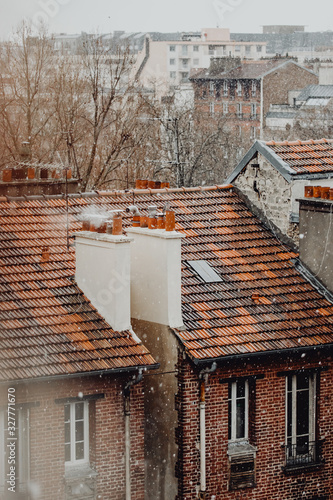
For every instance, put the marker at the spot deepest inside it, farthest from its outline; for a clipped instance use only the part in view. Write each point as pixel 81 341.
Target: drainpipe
pixel 203 376
pixel 261 107
pixel 127 393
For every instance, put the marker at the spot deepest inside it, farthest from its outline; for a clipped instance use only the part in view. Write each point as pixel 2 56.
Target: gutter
pixel 262 354
pixel 46 378
pixel 203 376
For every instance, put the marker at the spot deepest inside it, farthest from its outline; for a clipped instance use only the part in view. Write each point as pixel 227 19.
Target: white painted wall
pixel 156 276
pixel 103 274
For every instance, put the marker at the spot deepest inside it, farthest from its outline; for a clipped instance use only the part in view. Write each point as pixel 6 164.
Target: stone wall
pixel 267 190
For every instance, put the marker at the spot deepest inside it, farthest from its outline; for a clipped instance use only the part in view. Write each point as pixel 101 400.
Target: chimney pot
pixel 151 184
pixel 138 184
pixel 143 221
pixel 158 184
pixel 316 191
pixel 7 175
pixel 117 227
pixel 325 193
pixel 85 225
pixel 160 221
pixel 308 191
pixel 170 220
pixel 31 173
pixel 331 193
pixel 165 185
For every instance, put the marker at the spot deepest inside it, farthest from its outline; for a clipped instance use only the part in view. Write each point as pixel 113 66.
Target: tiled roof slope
pixel 305 156
pixel 47 326
pixel 296 159
pixel 220 319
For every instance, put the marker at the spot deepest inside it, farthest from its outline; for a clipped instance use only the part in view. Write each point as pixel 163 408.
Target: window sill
pixel 241 448
pixel 74 472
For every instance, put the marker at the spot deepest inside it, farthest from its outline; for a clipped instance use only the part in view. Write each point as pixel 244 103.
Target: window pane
pixel 240 418
pixel 67 413
pixel 79 411
pixel 79 451
pixel 302 445
pixel 79 431
pixel 67 453
pixel 241 389
pixel 302 412
pixel 302 381
pixel 289 414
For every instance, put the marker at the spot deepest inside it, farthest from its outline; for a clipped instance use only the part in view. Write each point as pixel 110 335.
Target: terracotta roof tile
pixel 305 156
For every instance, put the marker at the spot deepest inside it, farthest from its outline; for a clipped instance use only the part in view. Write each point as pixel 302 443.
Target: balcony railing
pixel 303 455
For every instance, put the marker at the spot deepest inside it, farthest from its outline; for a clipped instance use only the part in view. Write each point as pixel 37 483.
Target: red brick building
pixel 71 407
pixel 242 92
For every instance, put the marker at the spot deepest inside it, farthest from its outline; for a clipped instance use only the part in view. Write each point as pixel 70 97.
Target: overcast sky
pixel 74 16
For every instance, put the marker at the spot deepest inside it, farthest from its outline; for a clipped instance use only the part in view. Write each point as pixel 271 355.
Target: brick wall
pixel 268 434
pixel 107 437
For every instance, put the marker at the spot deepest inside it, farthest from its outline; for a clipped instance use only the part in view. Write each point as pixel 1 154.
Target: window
pixel 225 108
pixel 247 49
pixel 211 88
pixel 195 48
pixel 172 62
pixel 172 75
pixel 185 63
pixel 184 50
pixel 239 110
pixel 239 88
pixel 237 48
pixel 184 77
pixel 21 449
pixel 225 88
pixel 238 410
pixel 253 111
pixel 254 88
pixel 205 271
pixel 172 48
pixel 300 418
pixel 76 433
pixel 253 132
pixel 211 108
pixel 196 62
pixel 259 48
pixel 211 50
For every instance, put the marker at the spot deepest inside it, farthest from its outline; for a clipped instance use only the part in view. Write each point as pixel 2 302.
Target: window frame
pixel 232 413
pixel 72 442
pixel 294 457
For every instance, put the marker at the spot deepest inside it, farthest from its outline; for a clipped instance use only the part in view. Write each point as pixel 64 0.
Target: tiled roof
pixel 220 319
pixel 296 159
pixel 47 326
pixel 305 156
pixel 246 70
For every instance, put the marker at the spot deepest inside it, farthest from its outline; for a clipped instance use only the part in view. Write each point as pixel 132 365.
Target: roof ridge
pixel 93 194
pixel 298 142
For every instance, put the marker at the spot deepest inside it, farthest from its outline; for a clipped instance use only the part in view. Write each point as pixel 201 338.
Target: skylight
pixel 205 271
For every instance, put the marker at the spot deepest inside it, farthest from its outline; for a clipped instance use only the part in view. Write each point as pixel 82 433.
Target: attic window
pixel 205 271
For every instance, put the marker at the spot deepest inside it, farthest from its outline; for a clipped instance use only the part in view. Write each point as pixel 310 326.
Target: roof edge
pixel 114 371
pixel 260 354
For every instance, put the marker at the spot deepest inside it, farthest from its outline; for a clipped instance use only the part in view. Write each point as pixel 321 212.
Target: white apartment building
pixel 167 63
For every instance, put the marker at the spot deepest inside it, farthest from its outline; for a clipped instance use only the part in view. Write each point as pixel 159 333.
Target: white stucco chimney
pixel 103 274
pixel 156 276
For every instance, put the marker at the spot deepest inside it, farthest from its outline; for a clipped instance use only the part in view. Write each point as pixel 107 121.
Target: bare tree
pixel 26 109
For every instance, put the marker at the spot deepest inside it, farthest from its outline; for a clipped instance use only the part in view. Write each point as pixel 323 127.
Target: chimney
pixel 156 274
pixel 103 274
pixel 316 233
